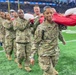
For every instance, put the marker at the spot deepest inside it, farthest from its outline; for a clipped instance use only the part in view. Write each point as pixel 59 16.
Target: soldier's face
pixel 3 15
pixel 8 16
pixel 37 10
pixel 48 14
pixel 15 15
pixel 12 14
pixel 21 14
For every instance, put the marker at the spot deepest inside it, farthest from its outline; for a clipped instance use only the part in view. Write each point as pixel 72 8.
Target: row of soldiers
pixel 26 38
pixel 16 35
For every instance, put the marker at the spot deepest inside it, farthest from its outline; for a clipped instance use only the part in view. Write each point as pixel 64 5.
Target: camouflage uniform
pixel 23 40
pixel 61 38
pixel 14 47
pixel 36 23
pixel 46 40
pixel 9 37
pixel 34 27
pixel 2 31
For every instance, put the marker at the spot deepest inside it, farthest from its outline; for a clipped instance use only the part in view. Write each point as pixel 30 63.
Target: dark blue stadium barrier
pixel 33 3
pixel 42 3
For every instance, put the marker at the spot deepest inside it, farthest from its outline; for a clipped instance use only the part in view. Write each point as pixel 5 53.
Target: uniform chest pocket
pixel 47 33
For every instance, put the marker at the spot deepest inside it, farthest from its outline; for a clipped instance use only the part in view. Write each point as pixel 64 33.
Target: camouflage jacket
pixel 2 30
pixel 46 39
pixel 23 32
pixel 9 31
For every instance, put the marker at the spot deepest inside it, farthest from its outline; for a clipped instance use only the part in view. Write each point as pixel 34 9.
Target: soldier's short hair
pixel 44 9
pixel 20 10
pixel 36 6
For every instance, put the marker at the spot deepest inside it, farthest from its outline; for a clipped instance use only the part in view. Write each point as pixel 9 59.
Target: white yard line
pixel 69 41
pixel 59 43
pixel 70 31
pixel 1 51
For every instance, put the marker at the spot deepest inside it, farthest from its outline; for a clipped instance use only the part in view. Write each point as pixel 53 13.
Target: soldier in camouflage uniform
pixel 37 15
pixel 2 29
pixel 36 22
pixel 46 40
pixel 9 36
pixel 23 40
pixel 15 16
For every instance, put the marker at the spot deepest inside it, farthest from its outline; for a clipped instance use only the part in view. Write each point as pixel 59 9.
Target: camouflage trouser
pixel 9 46
pixel 14 48
pixel 47 63
pixel 55 58
pixel 2 41
pixel 23 53
pixel 3 44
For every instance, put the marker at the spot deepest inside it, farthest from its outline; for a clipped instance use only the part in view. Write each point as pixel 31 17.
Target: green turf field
pixel 66 64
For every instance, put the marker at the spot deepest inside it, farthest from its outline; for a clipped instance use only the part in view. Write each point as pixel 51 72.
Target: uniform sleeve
pixel 37 40
pixel 8 24
pixel 14 25
pixel 61 37
pixel 38 35
pixel 36 23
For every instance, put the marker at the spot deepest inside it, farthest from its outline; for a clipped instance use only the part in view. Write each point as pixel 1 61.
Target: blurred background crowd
pixel 60 5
